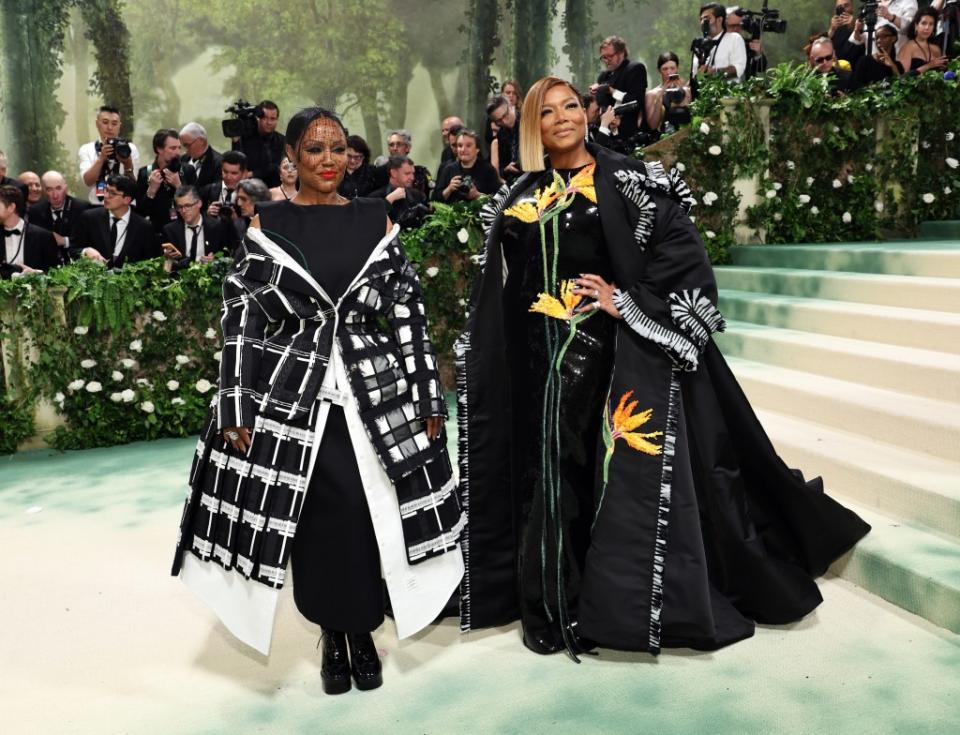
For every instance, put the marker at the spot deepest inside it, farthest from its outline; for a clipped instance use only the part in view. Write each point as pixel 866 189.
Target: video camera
pixel 121 148
pixel 765 21
pixel 868 13
pixel 243 124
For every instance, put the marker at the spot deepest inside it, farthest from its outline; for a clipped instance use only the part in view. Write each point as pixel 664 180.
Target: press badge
pixel 101 188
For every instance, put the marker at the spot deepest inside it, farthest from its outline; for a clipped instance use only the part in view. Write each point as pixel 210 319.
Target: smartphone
pixel 170 250
pixel 673 78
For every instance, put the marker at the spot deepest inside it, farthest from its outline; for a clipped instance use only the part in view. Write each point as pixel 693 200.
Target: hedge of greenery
pixel 133 355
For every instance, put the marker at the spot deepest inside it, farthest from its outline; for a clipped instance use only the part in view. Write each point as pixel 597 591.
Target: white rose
pixel 94 387
pixel 928 198
pixel 924 144
pixel 218 355
pixel 177 401
pixel 211 333
pixel 116 397
pixel 816 141
pixel 136 345
pixel 847 218
pixel 203 385
pixel 777 216
pixel 777 185
pixel 952 162
pixel 850 178
pixel 87 364
pixel 680 167
pixel 462 302
pixel 709 198
pixel 949 136
pixel 182 359
pixel 804 198
pixel 144 382
pixel 128 395
pixel 117 376
pixel 771 193
pixel 810 181
pixel 76 385
pixel 704 128
pixel 947 190
pixel 714 150
pixel 172 385
pixel 710 234
pixel 59 397
pixel 159 316
pixel 815 210
pixel 128 362
pixel 432 271
pixel 81 330
pixel 463 236
pixel 869 167
pixel 878 205
pixel 836 129
pixel 146 407
pixel 837 183
pixel 791 165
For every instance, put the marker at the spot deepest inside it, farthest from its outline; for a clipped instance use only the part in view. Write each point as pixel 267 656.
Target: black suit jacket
pixel 218 236
pixel 157 210
pixel 631 79
pixel 209 170
pixel 141 242
pixel 40 251
pixel 41 214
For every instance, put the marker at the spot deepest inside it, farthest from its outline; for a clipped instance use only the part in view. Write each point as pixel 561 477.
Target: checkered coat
pixel 279 329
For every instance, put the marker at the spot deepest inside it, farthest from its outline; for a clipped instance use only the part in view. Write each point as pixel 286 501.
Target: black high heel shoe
pixel 364 661
pixel 335 669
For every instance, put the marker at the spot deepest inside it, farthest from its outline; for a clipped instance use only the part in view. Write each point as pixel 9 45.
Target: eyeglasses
pixel 184 207
pixel 823 59
pixel 607 57
pixel 112 193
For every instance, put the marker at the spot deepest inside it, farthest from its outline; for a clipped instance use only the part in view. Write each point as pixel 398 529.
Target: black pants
pixel 335 559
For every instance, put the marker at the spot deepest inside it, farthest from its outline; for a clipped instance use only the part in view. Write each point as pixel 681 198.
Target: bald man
pixel 58 212
pixel 449 129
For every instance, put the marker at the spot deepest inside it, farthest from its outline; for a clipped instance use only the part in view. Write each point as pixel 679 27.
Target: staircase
pixel 850 353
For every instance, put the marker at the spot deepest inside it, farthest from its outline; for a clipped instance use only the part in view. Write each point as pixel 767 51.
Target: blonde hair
pixel 531 144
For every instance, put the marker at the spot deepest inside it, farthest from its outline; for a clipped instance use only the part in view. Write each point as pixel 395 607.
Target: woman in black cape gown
pixel 620 490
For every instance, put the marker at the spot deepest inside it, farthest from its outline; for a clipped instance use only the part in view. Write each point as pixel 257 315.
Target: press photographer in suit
pixel 194 237
pixel 623 81
pixel 157 182
pixel 265 148
pixel 114 234
pixel 26 247
pixel 58 212
pixel 220 197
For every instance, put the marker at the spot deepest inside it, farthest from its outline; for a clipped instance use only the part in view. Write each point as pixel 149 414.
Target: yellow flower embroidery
pixel 562 308
pixel 533 209
pixel 625 421
pixel 582 183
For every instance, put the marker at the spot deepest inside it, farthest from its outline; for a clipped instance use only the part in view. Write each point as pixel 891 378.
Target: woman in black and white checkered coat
pixel 325 448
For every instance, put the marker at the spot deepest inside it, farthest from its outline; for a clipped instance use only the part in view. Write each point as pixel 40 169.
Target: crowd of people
pixel 192 202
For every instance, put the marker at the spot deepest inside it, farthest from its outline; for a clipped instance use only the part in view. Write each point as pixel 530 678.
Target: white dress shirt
pixel 88 155
pixel 904 10
pixel 121 231
pixel 730 51
pixel 14 244
pixel 188 234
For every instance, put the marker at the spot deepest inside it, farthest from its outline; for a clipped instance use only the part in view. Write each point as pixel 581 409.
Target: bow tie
pixel 10 233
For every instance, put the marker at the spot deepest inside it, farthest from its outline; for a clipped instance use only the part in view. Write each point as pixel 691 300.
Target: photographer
pixel 756 58
pixel 469 176
pixel 194 237
pixel 264 147
pixel 108 156
pixel 667 105
pixel 505 148
pixel 399 143
pixel 842 26
pixel 199 154
pixel 407 203
pixel 157 182
pixel 622 82
pixel 719 52
pixel 219 198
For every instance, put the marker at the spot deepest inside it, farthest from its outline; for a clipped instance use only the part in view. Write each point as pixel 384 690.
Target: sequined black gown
pixel 553 542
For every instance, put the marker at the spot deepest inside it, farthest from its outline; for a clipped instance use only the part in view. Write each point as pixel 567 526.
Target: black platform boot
pixel 335 669
pixel 364 661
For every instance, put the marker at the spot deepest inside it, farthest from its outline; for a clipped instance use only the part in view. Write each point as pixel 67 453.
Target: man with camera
pixel 110 155
pixel 263 145
pixel 756 58
pixel 841 29
pixel 114 234
pixel 719 52
pixel 157 182
pixel 470 176
pixel 58 212
pixel 194 237
pixel 407 203
pixel 219 198
pixel 200 154
pixel 623 86
pixel 398 144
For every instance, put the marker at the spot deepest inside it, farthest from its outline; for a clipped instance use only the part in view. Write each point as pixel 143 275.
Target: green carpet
pixel 99 639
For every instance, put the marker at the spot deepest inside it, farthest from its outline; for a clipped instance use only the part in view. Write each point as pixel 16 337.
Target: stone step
pixel 945 230
pixel 872 322
pixel 903 369
pixel 920 292
pixel 908 565
pixel 915 422
pixel 935 258
pixel 884 476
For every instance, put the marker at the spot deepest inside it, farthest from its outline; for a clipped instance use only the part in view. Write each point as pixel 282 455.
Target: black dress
pixel 335 559
pixel 554 537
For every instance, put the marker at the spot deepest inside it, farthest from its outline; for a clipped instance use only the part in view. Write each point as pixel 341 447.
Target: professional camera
pixel 756 23
pixel 868 13
pixel 121 148
pixel 465 183
pixel 701 47
pixel 243 124
pixel 624 107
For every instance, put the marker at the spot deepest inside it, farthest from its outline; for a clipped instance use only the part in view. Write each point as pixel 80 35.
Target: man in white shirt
pixel 99 160
pixel 896 13
pixel 727 55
